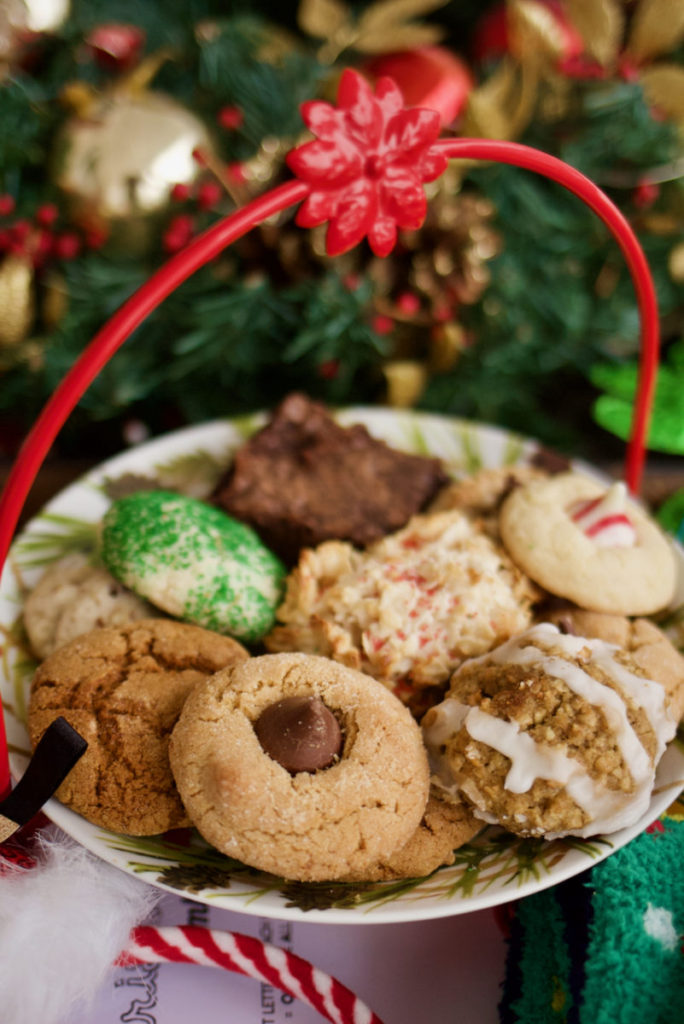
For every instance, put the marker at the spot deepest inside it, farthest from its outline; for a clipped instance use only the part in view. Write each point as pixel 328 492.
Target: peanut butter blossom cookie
pixel 194 562
pixel 301 766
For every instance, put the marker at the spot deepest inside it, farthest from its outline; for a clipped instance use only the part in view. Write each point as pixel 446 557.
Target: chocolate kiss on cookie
pixel 300 733
pixel 309 825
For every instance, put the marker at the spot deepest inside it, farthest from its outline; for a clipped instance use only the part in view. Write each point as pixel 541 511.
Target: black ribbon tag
pixel 56 753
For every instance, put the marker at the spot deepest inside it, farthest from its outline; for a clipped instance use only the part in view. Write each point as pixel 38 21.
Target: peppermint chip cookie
pixel 72 597
pixel 410 608
pixel 551 735
pixel 588 544
pixel 194 562
pixel 123 690
pixel 299 766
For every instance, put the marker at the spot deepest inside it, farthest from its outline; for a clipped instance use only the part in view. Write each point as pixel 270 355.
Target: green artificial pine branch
pixel 244 331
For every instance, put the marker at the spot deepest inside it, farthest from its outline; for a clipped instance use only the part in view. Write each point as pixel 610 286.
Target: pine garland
pixel 249 328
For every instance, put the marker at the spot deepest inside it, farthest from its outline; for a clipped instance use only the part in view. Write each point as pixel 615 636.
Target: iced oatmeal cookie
pixel 299 766
pixel 123 689
pixel 551 735
pixel 648 645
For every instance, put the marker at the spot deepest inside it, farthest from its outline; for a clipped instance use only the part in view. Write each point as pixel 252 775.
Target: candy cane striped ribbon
pixel 192 944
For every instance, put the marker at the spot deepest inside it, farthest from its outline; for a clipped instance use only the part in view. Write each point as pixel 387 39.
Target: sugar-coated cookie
pixel 445 826
pixel 589 544
pixel 72 597
pixel 314 824
pixel 194 562
pixel 551 734
pixel 123 689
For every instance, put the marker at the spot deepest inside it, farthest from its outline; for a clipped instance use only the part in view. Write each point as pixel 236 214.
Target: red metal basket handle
pixel 366 146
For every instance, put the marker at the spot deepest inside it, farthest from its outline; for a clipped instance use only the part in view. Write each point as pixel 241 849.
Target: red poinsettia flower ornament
pixel 367 166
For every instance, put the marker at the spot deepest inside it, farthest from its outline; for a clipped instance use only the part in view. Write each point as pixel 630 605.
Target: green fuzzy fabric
pixel 635 960
pixel 632 962
pixel 544 964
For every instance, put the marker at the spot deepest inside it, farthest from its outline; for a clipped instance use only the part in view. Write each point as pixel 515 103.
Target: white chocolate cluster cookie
pixel 411 607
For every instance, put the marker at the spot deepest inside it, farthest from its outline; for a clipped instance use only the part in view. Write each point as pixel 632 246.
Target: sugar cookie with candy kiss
pixel 589 544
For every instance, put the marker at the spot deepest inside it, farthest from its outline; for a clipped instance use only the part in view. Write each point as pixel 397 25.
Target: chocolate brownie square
pixel 304 479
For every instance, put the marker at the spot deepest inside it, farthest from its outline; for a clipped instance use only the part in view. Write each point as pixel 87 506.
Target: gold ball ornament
pixel 675 263
pixel 21 21
pixel 16 301
pixel 118 158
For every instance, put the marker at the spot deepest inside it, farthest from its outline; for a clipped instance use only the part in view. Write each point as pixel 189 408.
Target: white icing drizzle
pixel 529 759
pixel 605 519
pixel 608 810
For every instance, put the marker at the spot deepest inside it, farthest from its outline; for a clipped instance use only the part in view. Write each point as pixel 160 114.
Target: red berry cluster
pixel 181 227
pixel 42 239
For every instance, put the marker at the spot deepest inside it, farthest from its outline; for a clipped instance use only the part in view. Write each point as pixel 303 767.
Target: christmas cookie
pixel 480 494
pixel 411 607
pixel 123 690
pixel 304 479
pixel 551 734
pixel 445 826
pixel 194 562
pixel 589 544
pixel 72 597
pixel 650 648
pixel 355 792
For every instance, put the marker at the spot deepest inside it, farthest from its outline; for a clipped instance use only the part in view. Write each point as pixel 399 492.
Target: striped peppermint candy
pixel 192 944
pixel 605 520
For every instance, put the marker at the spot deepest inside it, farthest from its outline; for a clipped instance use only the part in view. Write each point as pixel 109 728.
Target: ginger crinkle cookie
pixel 123 689
pixel 307 824
pixel 648 646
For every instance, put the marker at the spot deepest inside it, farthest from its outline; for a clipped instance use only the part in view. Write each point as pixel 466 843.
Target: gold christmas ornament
pixel 405 380
pixel 675 263
pixel 447 341
pixel 382 27
pixel 117 163
pixel 16 300
pixel 22 20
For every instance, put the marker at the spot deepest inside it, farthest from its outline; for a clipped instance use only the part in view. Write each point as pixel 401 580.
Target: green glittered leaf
pixel 613 410
pixel 671 514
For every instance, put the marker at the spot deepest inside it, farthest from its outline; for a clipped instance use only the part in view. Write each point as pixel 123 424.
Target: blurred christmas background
pixel 127 127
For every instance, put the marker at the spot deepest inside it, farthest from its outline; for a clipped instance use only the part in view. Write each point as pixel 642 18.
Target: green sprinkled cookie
pixel 194 562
